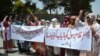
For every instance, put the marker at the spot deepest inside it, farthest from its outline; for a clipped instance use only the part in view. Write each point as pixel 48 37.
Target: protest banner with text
pixel 27 33
pixel 79 38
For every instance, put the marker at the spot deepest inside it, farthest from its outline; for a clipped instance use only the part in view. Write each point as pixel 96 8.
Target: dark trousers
pixel 20 47
pixel 27 47
pixel 62 52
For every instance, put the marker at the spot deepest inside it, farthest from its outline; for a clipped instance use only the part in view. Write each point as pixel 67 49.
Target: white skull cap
pixel 47 21
pixel 91 15
pixel 42 20
pixel 54 19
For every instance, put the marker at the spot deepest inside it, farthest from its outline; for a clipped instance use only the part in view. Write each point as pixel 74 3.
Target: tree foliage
pixel 39 11
pixel 5 8
pixel 50 4
pixel 70 6
pixel 17 7
pixel 22 8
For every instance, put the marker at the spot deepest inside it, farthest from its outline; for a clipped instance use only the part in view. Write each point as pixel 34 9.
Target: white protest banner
pixel 78 38
pixel 27 33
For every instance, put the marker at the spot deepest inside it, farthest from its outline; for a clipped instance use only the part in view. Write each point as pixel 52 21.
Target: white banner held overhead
pixel 27 33
pixel 78 38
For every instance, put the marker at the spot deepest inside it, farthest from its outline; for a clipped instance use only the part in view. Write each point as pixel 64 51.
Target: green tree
pixel 39 11
pixel 50 4
pixel 81 4
pixel 26 8
pixel 71 7
pixel 17 7
pixel 22 8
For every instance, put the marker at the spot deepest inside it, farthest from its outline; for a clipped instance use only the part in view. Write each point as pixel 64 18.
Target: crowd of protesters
pixel 40 48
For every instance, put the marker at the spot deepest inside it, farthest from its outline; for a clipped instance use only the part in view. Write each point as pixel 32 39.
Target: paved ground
pixel 15 53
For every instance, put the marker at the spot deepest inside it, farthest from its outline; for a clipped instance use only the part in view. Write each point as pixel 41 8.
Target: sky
pixel 95 6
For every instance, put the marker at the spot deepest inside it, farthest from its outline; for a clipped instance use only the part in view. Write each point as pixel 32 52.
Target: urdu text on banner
pixel 27 33
pixel 79 38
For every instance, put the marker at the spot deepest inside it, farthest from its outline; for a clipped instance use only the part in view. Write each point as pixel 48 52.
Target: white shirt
pixel 56 49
